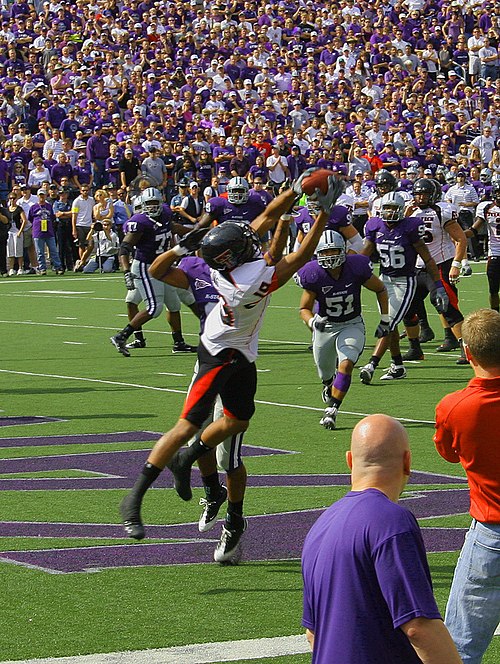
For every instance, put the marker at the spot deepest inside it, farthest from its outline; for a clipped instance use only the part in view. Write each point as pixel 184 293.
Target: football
pixel 317 180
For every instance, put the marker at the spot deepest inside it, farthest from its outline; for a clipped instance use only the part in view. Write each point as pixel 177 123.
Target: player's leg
pixel 452 318
pixel 493 275
pixel 325 359
pixel 411 319
pixel 172 297
pixel 132 300
pixel 403 292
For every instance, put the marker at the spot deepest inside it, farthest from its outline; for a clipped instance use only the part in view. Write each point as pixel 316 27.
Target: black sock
pixel 138 334
pixel 415 343
pixel 397 360
pixel 496 308
pixel 423 322
pixel 145 480
pixel 336 402
pixel 448 334
pixel 375 360
pixel 194 452
pixel 328 383
pixel 211 484
pixel 177 337
pixel 127 331
pixel 234 516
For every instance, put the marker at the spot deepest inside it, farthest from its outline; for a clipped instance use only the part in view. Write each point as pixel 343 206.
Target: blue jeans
pixel 50 243
pixel 473 610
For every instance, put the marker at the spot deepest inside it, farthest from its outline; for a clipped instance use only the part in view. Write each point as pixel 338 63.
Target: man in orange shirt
pixel 467 432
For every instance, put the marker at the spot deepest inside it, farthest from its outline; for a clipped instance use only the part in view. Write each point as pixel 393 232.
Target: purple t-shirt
pixel 365 574
pixel 200 282
pixel 156 236
pixel 338 299
pixel 221 209
pixel 395 244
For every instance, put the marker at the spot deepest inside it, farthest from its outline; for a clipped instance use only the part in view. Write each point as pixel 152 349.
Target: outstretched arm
pixel 162 269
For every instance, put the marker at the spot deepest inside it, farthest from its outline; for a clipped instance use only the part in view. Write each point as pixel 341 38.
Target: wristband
pixel 438 284
pixel 287 217
pixel 310 323
pixel 456 264
pixel 385 318
pixel 179 251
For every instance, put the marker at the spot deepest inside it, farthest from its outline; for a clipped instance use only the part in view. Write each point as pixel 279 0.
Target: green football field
pixel 77 422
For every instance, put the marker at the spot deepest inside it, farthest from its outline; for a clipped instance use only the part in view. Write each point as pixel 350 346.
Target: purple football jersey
pixel 200 282
pixel 221 209
pixel 338 299
pixel 304 221
pixel 395 244
pixel 340 217
pixel 155 235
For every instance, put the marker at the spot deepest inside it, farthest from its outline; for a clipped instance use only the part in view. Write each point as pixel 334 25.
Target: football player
pixel 332 284
pixel 447 244
pixel 241 204
pixel 398 241
pixel 244 279
pixel 488 213
pixel 149 233
pixel 339 221
pixel 385 182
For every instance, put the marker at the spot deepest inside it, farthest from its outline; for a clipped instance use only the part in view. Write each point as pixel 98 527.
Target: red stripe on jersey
pixel 274 284
pixel 450 290
pixel 229 414
pixel 200 388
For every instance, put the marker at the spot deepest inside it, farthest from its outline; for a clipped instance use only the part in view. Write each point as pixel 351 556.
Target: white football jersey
pixel 236 319
pixel 439 243
pixel 490 213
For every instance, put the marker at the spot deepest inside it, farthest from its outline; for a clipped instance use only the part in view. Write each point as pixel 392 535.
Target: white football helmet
pixel 237 190
pixel 392 207
pixel 331 240
pixel 486 175
pixel 312 207
pixel 151 202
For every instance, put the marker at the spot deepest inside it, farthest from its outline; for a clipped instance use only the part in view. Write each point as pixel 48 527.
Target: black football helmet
pixel 423 192
pixel 495 192
pixel 385 182
pixel 230 244
pixel 438 192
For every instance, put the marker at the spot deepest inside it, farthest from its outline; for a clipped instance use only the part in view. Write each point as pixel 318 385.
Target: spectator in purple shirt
pixel 41 216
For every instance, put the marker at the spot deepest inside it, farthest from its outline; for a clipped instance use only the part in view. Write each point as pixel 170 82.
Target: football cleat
pixel 211 508
pixel 183 347
pixel 413 354
pixel 329 418
pixel 466 270
pixel 136 343
pixel 228 550
pixel 448 345
pixel 131 518
pixel 182 475
pixel 394 373
pixel 426 334
pixel 366 373
pixel 120 343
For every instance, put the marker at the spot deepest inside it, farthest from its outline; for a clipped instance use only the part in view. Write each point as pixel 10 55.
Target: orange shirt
pixel 468 432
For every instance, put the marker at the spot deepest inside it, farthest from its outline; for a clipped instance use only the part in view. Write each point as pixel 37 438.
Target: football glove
pixel 335 189
pixel 383 329
pixel 192 240
pixel 129 280
pixel 297 185
pixel 318 323
pixel 439 298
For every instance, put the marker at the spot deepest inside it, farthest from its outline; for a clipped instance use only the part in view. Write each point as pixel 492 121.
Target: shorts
pixel 81 233
pixel 493 274
pixel 400 291
pixel 228 374
pixel 228 453
pixel 339 342
pixel 15 245
pixel 156 294
pixel 425 285
pixel 474 65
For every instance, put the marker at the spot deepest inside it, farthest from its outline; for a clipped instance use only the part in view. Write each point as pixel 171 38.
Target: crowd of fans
pixel 97 95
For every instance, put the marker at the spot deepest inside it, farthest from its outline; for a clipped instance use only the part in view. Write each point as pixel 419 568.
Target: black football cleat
pixel 182 476
pixel 228 550
pixel 413 354
pixel 426 334
pixel 183 347
pixel 448 345
pixel 136 343
pixel 131 518
pixel 211 508
pixel 120 343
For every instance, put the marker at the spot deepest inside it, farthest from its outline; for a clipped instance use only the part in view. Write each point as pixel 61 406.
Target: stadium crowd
pixel 189 94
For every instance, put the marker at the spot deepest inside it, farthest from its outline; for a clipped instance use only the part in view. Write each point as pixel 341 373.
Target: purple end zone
pixel 79 439
pixel 269 537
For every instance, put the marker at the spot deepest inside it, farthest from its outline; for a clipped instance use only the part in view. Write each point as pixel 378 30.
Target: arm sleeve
pixel 443 438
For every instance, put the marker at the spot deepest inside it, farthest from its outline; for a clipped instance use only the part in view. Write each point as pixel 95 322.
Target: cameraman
pixel 102 248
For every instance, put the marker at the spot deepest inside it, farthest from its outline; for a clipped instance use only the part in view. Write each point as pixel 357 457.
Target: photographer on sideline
pixel 102 248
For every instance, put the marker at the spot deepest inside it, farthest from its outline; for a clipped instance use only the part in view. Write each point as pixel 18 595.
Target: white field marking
pixel 75 343
pixel 67 297
pixel 167 373
pixel 167 389
pixel 197 653
pixel 63 292
pixel 65 318
pixel 86 279
pixel 263 370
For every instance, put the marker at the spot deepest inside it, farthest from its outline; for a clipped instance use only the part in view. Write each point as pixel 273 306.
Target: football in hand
pixel 317 180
